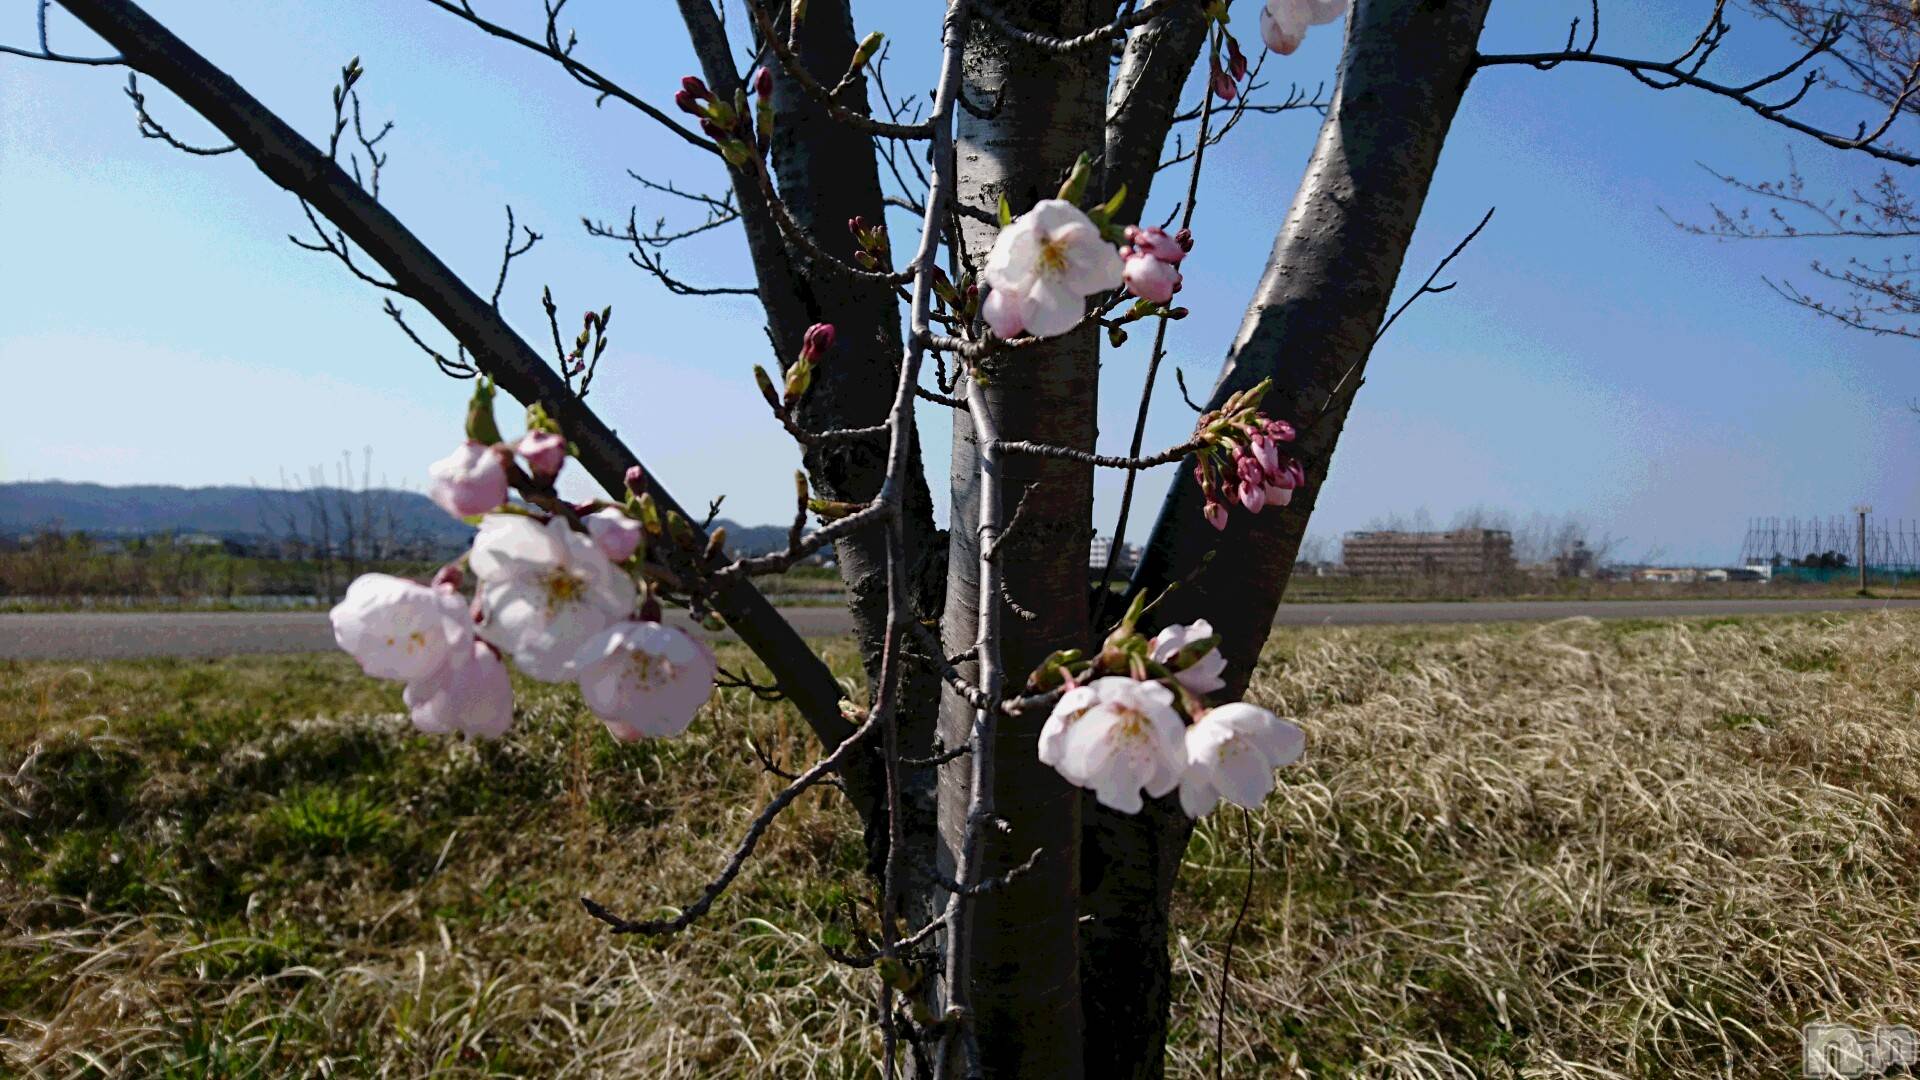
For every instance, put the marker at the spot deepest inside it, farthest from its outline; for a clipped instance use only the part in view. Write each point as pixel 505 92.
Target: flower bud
pixel 763 84
pixel 819 338
pixel 481 427
pixel 691 86
pixel 1185 239
pixel 636 479
pixel 1223 87
pixel 868 46
pixel 1236 60
pixel 448 576
pixel 686 104
pixel 544 453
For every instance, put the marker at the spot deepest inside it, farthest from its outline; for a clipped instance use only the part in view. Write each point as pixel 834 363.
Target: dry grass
pixel 1581 850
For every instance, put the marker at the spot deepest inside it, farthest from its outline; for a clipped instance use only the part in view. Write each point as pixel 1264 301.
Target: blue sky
pixel 157 327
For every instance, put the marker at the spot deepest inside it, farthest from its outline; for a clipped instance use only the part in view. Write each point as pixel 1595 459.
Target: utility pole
pixel 1863 510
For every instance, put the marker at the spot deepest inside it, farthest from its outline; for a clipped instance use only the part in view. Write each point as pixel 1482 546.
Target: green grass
pixel 1577 849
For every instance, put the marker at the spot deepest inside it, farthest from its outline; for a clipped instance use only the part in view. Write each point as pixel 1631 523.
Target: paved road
pixel 114 635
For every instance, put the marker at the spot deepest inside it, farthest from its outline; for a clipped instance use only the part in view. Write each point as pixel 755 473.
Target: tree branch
pixel 297 165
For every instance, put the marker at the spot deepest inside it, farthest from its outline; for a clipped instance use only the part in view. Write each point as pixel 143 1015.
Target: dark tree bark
pixel 827 173
pixel 1310 326
pixel 1023 961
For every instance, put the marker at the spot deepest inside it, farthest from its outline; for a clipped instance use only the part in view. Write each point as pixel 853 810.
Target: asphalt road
pixel 116 635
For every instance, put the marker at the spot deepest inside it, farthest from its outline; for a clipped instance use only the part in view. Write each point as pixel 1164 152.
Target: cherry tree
pixel 1027 759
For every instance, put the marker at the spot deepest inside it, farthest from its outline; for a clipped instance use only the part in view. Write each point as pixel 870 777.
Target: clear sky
pixel 157 327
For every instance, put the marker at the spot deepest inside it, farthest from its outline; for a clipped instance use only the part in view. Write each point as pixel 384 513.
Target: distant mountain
pixel 246 513
pixel 233 513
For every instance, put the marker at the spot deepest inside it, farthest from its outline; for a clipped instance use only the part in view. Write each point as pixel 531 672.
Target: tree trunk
pixel 827 173
pixel 1318 308
pixel 1042 111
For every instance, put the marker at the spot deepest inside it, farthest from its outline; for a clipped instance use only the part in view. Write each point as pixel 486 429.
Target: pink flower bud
pixel 1151 279
pixel 469 481
pixel 1278 430
pixel 1184 238
pixel 693 87
pixel 1223 86
pixel 1216 514
pixel 1153 240
pixel 763 84
pixel 685 103
pixel 636 479
pixel 448 577
pixel 1236 60
pixel 1266 452
pixel 1253 484
pixel 544 452
pixel 614 533
pixel 819 339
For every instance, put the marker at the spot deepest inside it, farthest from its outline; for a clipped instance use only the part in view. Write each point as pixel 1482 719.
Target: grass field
pixel 1571 850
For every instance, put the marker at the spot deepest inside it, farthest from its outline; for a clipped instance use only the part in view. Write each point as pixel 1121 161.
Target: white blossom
pixel 645 678
pixel 1203 675
pixel 1128 740
pixel 469 694
pixel 1053 734
pixel 543 590
pixel 1042 268
pixel 399 629
pixel 1231 753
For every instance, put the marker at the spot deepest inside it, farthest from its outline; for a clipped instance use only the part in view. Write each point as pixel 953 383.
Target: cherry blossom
pixel 1042 268
pixel 543 590
pixel 1231 753
pixel 544 452
pixel 399 629
pixel 1283 25
pixel 1151 279
pixel 645 678
pixel 1129 740
pixel 614 533
pixel 1202 676
pixel 469 694
pixel 1321 12
pixel 471 480
pixel 1053 734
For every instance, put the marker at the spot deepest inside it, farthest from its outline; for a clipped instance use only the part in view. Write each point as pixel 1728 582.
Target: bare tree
pixel 1021 928
pixel 1875 55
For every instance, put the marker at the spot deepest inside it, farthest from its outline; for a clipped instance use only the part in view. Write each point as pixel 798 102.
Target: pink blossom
pixel 1321 12
pixel 1216 514
pixel 1042 267
pixel 1283 25
pixel 645 678
pixel 1151 279
pixel 544 452
pixel 636 479
pixel 1153 240
pixel 614 533
pixel 469 481
pixel 399 629
pixel 469 694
